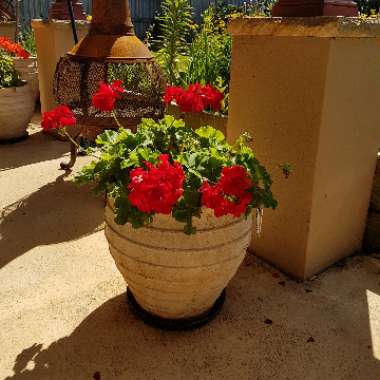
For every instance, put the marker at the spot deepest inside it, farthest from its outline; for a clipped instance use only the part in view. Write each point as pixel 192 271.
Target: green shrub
pixel 9 77
pixel 28 41
pixel 175 27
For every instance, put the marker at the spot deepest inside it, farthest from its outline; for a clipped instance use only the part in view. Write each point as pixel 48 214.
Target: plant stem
pixel 64 132
pixel 116 119
pixel 67 134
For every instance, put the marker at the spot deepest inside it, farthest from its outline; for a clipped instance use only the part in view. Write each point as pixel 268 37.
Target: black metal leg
pixel 72 19
pixel 73 158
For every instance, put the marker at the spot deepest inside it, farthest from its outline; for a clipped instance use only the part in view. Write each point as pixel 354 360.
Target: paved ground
pixel 62 302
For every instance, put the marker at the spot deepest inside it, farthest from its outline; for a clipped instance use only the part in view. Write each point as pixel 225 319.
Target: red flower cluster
pixel 13 48
pixel 157 189
pixel 59 117
pixel 196 98
pixel 230 195
pixel 105 98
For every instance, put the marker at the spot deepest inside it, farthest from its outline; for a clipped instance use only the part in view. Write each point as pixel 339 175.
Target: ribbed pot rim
pixel 167 222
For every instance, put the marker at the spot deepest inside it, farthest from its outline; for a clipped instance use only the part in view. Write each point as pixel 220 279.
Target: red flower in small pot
pixel 213 97
pixel 59 117
pixel 196 98
pixel 105 99
pixel 157 189
pixel 230 195
pixel 172 93
pixel 192 99
pixel 13 48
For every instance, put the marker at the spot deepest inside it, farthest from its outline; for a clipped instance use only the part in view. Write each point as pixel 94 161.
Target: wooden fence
pixel 143 11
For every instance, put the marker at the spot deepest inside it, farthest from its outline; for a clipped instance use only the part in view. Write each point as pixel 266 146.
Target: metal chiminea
pixel 110 51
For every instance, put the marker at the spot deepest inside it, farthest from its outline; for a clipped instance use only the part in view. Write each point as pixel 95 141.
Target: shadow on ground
pixel 59 211
pixel 267 330
pixel 37 148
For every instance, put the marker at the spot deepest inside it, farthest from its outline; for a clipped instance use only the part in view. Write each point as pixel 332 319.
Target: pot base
pixel 14 140
pixel 176 324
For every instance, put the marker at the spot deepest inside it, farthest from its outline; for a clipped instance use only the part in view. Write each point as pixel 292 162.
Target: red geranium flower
pixel 59 117
pixel 105 98
pixel 172 93
pixel 13 48
pixel 191 101
pixel 230 195
pixel 195 98
pixel 235 181
pixel 157 189
pixel 213 97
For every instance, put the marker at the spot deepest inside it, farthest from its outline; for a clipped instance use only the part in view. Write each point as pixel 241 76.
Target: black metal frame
pixel 73 148
pixel 72 19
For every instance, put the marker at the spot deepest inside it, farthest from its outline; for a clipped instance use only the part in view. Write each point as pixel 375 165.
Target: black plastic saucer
pixel 185 324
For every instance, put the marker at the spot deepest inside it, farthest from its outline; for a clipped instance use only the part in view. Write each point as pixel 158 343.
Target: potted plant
pixel 24 58
pixel 179 207
pixel 191 54
pixel 16 102
pixel 194 114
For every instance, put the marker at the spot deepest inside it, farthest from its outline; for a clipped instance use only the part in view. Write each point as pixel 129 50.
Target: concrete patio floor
pixel 63 313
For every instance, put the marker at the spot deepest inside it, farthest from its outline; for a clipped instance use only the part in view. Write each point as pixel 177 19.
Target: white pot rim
pixel 11 90
pixel 25 59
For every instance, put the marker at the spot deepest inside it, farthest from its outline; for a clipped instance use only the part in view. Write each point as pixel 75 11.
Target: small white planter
pixel 16 110
pixel 28 69
pixel 175 276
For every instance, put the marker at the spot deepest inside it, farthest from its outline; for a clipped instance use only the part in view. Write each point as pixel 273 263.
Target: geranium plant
pixel 9 77
pixel 12 48
pixel 165 167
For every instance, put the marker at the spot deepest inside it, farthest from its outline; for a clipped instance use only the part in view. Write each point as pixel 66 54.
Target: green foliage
pixel 368 7
pixel 28 41
pixel 210 59
pixel 9 77
pixel 259 8
pixel 175 27
pixel 203 153
pixel 135 77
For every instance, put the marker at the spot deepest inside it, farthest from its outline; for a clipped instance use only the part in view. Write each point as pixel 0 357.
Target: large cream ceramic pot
pixel 172 275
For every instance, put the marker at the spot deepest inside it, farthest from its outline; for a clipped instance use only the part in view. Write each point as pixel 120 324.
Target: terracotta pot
pixel 29 72
pixel 173 275
pixel 197 120
pixel 16 110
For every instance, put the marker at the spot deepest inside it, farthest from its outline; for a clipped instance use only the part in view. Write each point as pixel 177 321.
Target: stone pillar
pixel 60 11
pixel 53 39
pixel 307 91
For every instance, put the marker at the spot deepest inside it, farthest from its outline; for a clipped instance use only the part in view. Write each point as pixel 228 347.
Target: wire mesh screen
pixel 76 82
pixel 7 9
